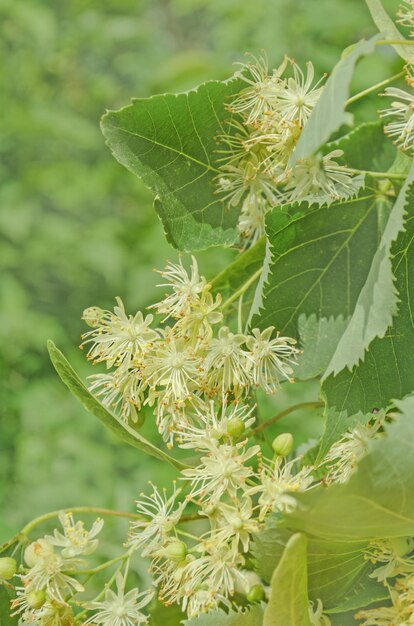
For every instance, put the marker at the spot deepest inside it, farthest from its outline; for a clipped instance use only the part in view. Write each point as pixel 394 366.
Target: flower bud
pixel 36 599
pixel 235 428
pixel 176 551
pixel 37 550
pixel 282 444
pixel 8 567
pixel 256 593
pixel 93 316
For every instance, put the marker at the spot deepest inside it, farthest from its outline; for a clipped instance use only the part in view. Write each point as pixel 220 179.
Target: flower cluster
pixel 268 117
pixel 234 490
pixel 179 366
pixel 49 582
pixel 400 114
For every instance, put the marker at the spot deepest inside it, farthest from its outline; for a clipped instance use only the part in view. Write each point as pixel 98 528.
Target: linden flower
pixel 222 470
pixel 186 289
pixel 316 616
pixel 406 14
pixel 249 177
pixel 394 554
pixel 320 179
pixel 227 364
pixel 298 97
pixel 49 614
pixel 345 454
pixel 119 338
pixel 48 574
pixel 214 424
pixel 252 219
pixel 196 324
pixel 161 516
pixel 278 484
pixel 272 358
pixel 120 609
pixel 256 100
pixel 121 391
pixel 401 613
pixel 236 525
pixel 401 129
pixel 75 539
pixel 173 366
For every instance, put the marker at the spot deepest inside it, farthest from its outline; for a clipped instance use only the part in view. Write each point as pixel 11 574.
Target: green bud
pixel 36 599
pixel 256 593
pixel 93 316
pixel 236 428
pixel 282 444
pixel 176 551
pixel 37 550
pixel 8 567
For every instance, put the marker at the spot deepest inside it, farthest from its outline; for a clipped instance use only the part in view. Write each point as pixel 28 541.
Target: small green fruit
pixel 176 551
pixel 256 594
pixel 36 599
pixel 8 567
pixel 282 444
pixel 236 428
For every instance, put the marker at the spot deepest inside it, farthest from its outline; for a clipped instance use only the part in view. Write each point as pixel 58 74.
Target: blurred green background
pixel 77 229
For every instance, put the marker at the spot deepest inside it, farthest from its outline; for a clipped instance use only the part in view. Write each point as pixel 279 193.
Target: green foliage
pixel 91 404
pixel 387 27
pixel 170 142
pixel 288 602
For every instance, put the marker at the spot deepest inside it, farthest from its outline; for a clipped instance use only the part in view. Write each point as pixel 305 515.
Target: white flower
pixel 227 364
pixel 401 613
pixel 297 98
pixel 401 129
pixel 394 554
pixel 120 609
pixel 272 358
pixel 121 391
pixel 186 289
pixel 174 366
pixel 161 517
pixel 278 484
pixel 119 338
pixel 236 525
pixel 255 101
pixel 316 616
pixel 345 454
pixel 251 222
pixel 223 470
pixel 49 574
pixel 75 539
pixel 320 179
pixel 406 14
pixel 196 324
pixel 214 424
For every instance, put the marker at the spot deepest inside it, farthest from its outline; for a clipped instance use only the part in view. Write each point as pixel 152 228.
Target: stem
pixel 282 414
pixel 101 567
pixel 241 290
pixel 376 87
pixel 76 509
pixel 398 42
pixel 389 175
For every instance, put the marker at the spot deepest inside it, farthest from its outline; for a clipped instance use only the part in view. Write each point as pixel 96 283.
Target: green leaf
pixel 288 602
pixel 377 302
pixel 170 142
pixel 91 404
pixel 387 371
pixel 387 27
pixel 362 594
pixel 251 617
pixel 325 558
pixel 377 500
pixel 329 113
pixel 5 598
pixel 312 253
pixel 319 339
pixel 366 147
pixel 245 268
